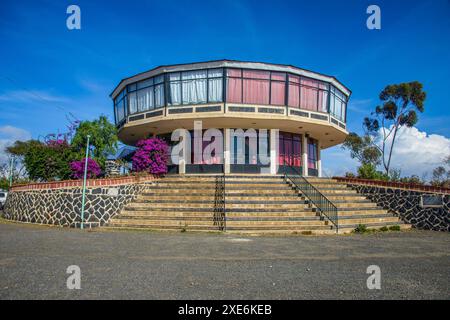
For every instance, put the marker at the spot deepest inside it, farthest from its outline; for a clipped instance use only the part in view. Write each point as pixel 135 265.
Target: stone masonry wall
pixel 406 203
pixel 63 206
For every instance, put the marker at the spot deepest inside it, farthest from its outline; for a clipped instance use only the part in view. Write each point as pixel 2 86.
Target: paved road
pixel 153 265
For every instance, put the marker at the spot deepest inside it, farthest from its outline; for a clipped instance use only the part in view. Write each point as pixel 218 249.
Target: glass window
pixel 158 79
pixel 132 102
pixel 337 104
pixel 215 89
pixel 309 94
pixel 256 86
pixel 256 74
pixel 215 73
pixel 278 88
pixel 294 91
pixel 145 99
pixel 256 91
pixel 215 85
pixel 132 87
pixel 145 83
pixel 121 110
pixel 290 149
pixel 194 87
pixel 120 106
pixel 323 100
pixel 312 154
pixel 159 95
pixel 234 90
pixel 175 88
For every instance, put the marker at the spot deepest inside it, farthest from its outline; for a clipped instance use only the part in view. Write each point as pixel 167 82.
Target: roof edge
pixel 221 63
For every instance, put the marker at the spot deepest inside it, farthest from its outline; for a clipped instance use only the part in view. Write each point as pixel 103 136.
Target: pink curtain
pixel 312 154
pixel 280 76
pixel 256 91
pixel 234 90
pixel 234 73
pixel 277 93
pixel 294 91
pixel 256 74
pixel 323 99
pixel 294 95
pixel 308 98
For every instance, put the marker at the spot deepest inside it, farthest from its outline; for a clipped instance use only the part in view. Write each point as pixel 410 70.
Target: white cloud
pixel 31 96
pixel 415 152
pixel 8 135
pixel 360 105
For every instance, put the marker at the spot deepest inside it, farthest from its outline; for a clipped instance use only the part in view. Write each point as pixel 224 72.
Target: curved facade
pixel 309 109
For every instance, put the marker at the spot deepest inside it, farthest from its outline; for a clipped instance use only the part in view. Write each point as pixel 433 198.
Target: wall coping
pixel 396 185
pixel 79 183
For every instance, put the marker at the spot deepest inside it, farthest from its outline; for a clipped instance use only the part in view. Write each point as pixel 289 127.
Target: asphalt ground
pixel 173 265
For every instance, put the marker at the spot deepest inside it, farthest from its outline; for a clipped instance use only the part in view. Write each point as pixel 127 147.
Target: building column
pixel 182 161
pixel 226 150
pixel 274 140
pixel 319 160
pixel 304 155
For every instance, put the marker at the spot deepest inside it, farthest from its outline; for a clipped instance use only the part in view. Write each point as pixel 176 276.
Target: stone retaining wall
pixel 62 206
pixel 406 203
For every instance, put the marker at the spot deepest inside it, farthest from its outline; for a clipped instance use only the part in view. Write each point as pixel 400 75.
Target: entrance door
pixel 290 152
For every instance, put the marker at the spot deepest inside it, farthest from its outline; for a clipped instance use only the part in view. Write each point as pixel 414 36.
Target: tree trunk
pixel 390 151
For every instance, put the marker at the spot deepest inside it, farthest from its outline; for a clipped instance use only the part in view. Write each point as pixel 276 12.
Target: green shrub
pixel 361 228
pixel 350 175
pixel 384 229
pixel 369 171
pixel 394 228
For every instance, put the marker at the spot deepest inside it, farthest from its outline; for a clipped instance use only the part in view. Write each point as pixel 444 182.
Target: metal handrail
pixel 219 203
pixel 320 201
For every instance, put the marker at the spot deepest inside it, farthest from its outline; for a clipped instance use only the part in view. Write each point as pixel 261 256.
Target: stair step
pixel 253 204
pixel 356 221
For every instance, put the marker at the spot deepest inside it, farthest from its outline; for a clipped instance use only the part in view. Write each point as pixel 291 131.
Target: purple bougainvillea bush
pixel 93 169
pixel 151 156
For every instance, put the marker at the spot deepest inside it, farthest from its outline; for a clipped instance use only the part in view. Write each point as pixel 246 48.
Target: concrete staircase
pixel 354 208
pixel 254 204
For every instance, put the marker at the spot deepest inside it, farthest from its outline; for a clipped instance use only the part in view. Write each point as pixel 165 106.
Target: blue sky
pixel 48 71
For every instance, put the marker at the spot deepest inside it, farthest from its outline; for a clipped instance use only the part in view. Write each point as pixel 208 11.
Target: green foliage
pixel 51 160
pixel 361 228
pixel 414 179
pixel 394 228
pixel 362 148
pixel 103 139
pixel 46 163
pixel 4 183
pixel 20 148
pixel 384 229
pixel 368 171
pixel 400 104
pixel 350 175
pixel 441 174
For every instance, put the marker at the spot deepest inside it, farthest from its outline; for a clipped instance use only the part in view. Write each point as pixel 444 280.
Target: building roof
pixel 231 64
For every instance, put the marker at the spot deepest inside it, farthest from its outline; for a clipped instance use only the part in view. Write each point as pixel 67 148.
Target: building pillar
pixel 226 150
pixel 319 160
pixel 274 140
pixel 304 155
pixel 182 161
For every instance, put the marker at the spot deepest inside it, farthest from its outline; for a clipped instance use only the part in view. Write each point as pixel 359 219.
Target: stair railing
pixel 320 201
pixel 219 203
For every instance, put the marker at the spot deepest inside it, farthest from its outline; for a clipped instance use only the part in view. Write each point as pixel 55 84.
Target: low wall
pixel 406 202
pixel 59 203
